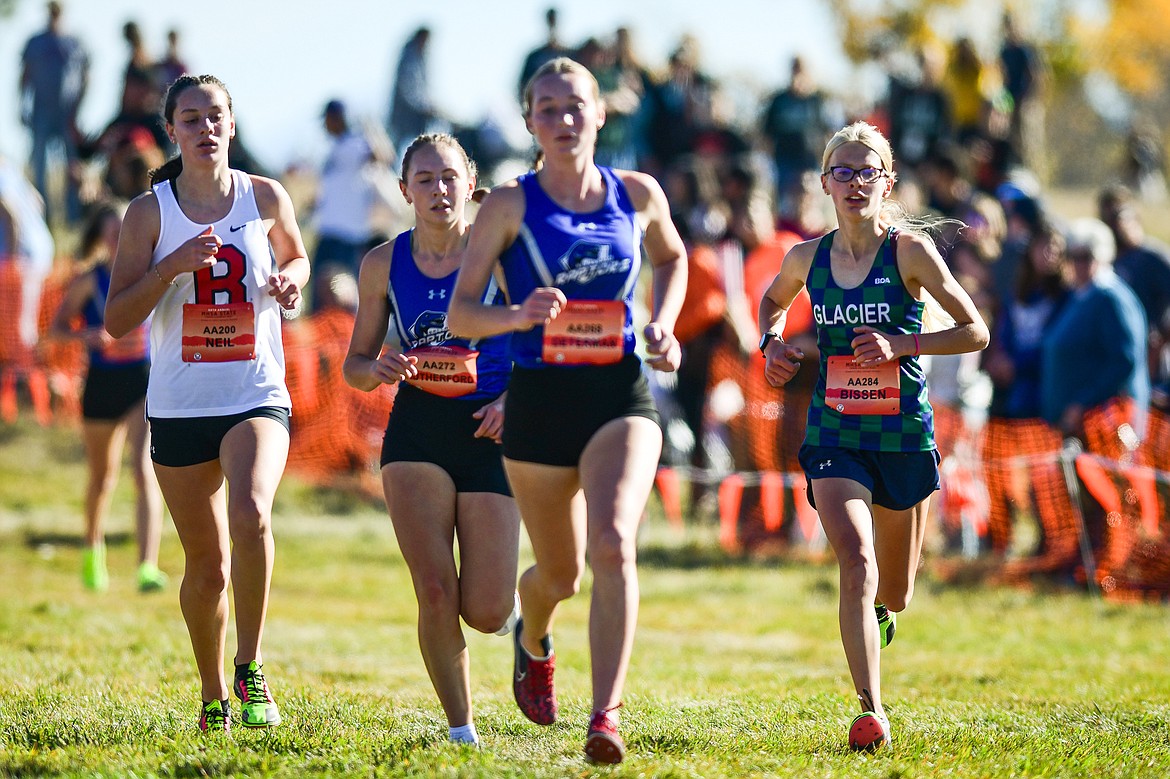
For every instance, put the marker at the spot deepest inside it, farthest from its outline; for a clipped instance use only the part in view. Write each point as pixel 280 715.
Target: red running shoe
pixel 869 732
pixel 532 680
pixel 603 744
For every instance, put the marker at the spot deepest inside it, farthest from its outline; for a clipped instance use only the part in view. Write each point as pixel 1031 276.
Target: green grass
pixel 737 671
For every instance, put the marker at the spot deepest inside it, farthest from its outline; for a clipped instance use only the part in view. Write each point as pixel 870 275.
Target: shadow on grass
pixel 695 555
pixel 344 497
pixel 34 539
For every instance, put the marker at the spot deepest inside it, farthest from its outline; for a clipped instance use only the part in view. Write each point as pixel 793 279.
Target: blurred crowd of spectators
pixel 1080 311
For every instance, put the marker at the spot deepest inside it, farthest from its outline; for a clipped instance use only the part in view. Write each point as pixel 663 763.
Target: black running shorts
pixel 551 413
pixel 177 442
pixel 426 428
pixel 111 391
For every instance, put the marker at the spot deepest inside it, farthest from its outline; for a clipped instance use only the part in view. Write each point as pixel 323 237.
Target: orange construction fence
pixel 1010 467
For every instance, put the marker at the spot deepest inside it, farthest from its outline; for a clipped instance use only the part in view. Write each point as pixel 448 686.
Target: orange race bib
pixel 586 332
pixel 857 389
pixel 446 371
pixel 218 333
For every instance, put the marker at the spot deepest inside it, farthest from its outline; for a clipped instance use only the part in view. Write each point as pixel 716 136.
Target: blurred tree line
pixel 1108 63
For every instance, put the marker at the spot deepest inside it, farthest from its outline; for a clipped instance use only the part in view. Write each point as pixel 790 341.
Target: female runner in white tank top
pixel 195 252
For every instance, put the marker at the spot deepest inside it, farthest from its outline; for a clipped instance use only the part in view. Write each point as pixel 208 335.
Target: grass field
pixel 738 669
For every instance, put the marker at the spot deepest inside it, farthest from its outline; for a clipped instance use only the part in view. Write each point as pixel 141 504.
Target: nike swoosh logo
pixel 238 227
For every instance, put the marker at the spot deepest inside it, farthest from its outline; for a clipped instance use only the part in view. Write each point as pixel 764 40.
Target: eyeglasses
pixel 845 174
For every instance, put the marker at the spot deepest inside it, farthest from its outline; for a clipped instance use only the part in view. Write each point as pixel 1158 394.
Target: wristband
pixel 917 350
pixel 160 277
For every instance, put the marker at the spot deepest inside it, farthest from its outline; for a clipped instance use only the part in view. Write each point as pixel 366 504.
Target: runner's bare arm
pixel 496 226
pixel 365 367
pixel 924 269
pixel 783 359
pixel 280 221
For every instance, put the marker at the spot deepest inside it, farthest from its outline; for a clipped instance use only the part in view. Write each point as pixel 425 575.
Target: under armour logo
pixel 824 465
pixel 441 294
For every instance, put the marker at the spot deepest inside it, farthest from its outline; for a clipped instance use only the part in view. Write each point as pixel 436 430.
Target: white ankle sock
pixel 510 623
pixel 464 734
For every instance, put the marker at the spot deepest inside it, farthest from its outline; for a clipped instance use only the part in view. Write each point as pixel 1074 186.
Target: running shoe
pixel 215 716
pixel 532 680
pixel 887 624
pixel 94 575
pixel 869 732
pixel 259 709
pixel 150 578
pixel 603 744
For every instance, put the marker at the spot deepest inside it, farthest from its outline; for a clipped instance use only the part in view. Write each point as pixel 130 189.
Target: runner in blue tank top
pixel 579 414
pixel 442 470
pixel 869 452
pixel 113 407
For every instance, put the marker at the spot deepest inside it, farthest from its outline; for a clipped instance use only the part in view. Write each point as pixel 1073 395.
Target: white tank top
pixel 209 372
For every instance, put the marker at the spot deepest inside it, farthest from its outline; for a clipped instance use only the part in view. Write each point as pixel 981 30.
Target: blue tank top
pixel 588 256
pixel 418 311
pixel 132 348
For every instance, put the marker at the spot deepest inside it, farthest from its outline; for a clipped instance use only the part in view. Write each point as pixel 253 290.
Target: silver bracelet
pixel 160 277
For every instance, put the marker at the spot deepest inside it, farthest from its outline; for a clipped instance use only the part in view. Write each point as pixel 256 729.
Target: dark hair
pixel 1113 197
pixel 1028 280
pixel 91 233
pixel 436 139
pixel 171 169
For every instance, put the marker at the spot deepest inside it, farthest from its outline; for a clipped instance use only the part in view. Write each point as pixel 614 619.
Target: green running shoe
pixel 150 578
pixel 259 709
pixel 215 717
pixel 94 575
pixel 887 624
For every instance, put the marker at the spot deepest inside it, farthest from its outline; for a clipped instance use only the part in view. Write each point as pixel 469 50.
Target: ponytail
pixel 168 171
pixel 895 215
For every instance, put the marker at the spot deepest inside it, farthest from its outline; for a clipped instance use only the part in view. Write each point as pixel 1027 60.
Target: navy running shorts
pixel 426 428
pixel 896 480
pixel 551 413
pixel 177 442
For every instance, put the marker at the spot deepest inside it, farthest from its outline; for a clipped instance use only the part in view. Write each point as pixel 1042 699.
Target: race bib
pixel 446 371
pixel 586 332
pixel 218 333
pixel 859 389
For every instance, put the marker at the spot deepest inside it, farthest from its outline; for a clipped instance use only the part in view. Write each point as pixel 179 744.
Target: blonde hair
pixel 557 66
pixel 865 134
pixel 893 213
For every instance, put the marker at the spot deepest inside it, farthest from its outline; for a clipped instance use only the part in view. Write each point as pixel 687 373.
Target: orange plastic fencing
pixel 336 430
pixel 44 373
pixel 337 433
pixel 1021 471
